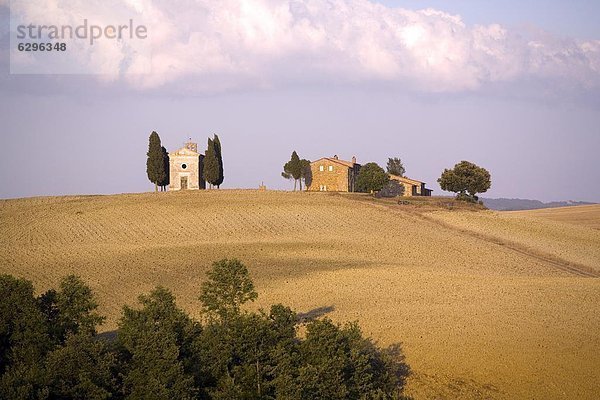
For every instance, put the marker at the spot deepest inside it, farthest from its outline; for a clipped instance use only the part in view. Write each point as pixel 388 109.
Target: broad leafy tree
pixel 77 307
pixel 157 343
pixel 293 169
pixel 155 164
pixel 466 180
pixel 70 310
pixel 395 167
pixel 24 341
pixel 335 362
pixel 371 178
pixel 84 368
pixel 227 288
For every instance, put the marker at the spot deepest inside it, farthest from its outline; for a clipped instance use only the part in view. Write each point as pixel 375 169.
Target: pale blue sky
pixel 537 130
pixel 577 18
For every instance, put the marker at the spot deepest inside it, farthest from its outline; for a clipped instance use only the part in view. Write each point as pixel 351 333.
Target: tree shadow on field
pixel 109 336
pixel 314 314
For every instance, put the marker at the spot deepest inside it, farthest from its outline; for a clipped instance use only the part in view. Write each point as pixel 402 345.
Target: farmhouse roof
pixel 405 179
pixel 348 164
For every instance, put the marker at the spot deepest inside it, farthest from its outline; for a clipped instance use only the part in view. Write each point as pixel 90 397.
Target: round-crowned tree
pixel 466 180
pixel 371 178
pixel 227 288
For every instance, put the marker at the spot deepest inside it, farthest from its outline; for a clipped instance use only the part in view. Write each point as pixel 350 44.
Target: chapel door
pixel 184 183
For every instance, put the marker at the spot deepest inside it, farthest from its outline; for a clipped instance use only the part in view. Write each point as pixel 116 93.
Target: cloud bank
pixel 212 46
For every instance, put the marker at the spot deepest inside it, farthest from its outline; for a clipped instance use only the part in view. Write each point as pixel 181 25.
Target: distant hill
pixel 525 204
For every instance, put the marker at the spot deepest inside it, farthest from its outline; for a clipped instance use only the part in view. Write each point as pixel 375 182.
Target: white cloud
pixel 218 45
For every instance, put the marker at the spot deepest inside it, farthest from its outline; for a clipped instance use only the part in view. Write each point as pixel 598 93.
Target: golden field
pixel 485 304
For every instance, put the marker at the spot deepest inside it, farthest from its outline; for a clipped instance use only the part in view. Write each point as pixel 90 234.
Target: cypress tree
pixel 305 172
pixel 211 164
pixel 166 181
pixel 155 164
pixel 217 144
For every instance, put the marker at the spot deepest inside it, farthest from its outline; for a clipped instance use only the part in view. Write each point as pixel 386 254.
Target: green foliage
pixel 167 179
pixel 466 180
pixel 71 310
pixel 155 167
pixel 219 157
pixel 395 167
pixel 305 172
pixel 158 342
pixel 227 288
pixel 338 363
pixel 241 354
pixel 161 353
pixel 83 368
pixel 76 306
pixel 24 341
pixel 293 169
pixel 371 178
pixel 211 164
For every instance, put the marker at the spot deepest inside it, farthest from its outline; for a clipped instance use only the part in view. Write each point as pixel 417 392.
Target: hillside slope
pixel 584 216
pixel 486 305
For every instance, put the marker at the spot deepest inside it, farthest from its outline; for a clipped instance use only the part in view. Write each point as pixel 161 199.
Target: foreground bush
pixel 49 348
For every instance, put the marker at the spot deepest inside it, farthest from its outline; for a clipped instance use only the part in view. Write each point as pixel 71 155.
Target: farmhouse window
pixel 321 168
pixel 331 168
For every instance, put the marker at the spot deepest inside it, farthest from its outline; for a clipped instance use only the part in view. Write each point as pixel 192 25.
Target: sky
pixel 512 86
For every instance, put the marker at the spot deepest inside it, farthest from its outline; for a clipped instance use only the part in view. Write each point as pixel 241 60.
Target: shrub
pixel 392 189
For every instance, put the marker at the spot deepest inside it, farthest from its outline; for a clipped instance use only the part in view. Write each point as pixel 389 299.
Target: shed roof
pixel 405 179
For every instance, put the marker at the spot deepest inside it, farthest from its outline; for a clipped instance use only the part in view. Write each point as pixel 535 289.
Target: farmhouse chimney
pixel 353 159
pixel 335 157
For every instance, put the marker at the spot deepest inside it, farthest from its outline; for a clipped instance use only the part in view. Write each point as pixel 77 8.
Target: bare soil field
pixel 485 304
pixel 586 216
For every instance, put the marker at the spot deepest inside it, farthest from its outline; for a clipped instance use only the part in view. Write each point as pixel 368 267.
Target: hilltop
pixel 486 304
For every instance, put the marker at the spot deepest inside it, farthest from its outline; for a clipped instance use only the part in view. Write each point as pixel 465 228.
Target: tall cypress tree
pixel 211 164
pixel 217 144
pixel 155 164
pixel 166 181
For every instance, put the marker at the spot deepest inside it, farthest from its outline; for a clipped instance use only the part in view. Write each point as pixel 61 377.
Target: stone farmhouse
pixel 185 168
pixel 412 187
pixel 331 174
